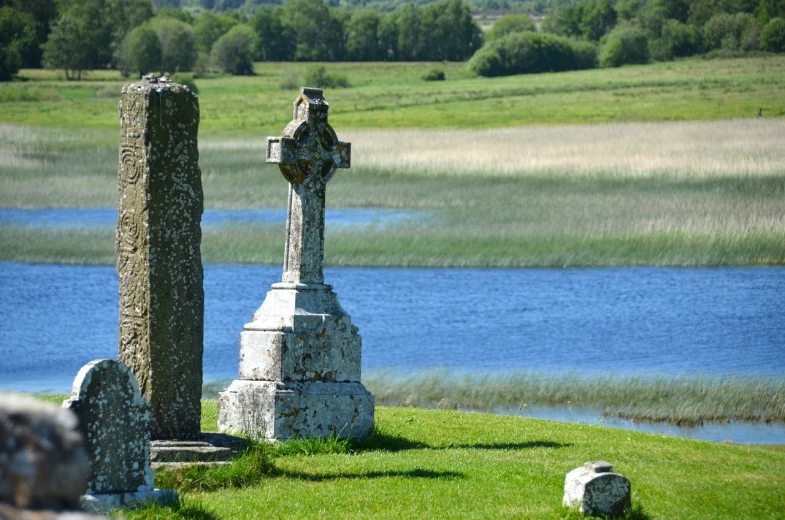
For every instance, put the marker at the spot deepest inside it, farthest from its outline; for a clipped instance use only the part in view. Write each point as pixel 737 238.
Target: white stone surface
pixel 106 502
pixel 300 333
pixel 277 410
pixel 596 489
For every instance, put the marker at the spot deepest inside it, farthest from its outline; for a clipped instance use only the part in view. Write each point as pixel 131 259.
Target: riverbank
pixel 678 400
pixel 449 464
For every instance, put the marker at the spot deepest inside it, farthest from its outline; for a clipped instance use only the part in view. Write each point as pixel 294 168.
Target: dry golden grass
pixel 747 147
pixel 752 147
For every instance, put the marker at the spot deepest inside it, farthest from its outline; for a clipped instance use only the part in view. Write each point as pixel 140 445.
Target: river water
pixel 640 320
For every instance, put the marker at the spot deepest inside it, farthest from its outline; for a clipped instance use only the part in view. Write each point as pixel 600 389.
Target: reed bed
pixel 685 149
pixel 695 203
pixel 681 400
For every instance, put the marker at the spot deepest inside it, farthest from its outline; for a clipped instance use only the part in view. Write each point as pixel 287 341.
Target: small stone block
pixel 596 490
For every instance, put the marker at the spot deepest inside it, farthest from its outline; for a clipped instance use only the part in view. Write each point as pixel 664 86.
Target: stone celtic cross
pixel 308 154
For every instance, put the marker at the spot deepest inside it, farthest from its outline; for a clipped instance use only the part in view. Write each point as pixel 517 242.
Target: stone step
pixel 178 465
pixel 192 453
pixel 212 447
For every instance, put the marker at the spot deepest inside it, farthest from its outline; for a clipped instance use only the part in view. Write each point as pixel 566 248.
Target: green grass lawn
pixel 447 464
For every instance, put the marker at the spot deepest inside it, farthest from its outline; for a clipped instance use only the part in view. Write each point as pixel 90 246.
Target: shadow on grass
pixel 415 473
pixel 393 443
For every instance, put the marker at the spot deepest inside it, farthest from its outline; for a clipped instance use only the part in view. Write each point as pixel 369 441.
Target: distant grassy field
pixel 447 464
pixel 386 95
pixel 658 193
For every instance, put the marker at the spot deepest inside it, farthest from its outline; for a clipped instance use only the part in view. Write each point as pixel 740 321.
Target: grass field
pixel 386 95
pixel 447 464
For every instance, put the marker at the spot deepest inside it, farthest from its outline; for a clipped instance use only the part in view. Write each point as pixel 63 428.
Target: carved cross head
pixel 309 150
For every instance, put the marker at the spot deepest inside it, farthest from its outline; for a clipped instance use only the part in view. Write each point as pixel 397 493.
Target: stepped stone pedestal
pixel 300 357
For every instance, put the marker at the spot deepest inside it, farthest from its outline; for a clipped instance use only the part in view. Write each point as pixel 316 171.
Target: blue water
pixel 106 218
pixel 55 318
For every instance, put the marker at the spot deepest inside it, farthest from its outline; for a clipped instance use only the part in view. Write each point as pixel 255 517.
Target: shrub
pixel 624 46
pixel 178 47
pixel 233 52
pixel 143 50
pixel 317 76
pixel 434 75
pixel 772 37
pixel 678 40
pixel 520 53
pixel 725 31
pixel 510 24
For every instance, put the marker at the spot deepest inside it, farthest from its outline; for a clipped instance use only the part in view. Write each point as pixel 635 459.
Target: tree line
pixel 630 32
pixel 140 36
pixel 78 35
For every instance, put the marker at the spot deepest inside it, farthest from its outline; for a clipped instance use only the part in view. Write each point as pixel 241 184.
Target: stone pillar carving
pixel 158 252
pixel 300 357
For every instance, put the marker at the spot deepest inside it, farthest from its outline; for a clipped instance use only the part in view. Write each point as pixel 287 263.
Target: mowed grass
pixel 448 464
pixel 386 95
pixel 670 194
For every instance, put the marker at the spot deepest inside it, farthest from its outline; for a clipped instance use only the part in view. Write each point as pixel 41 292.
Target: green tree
pixel 678 40
pixel 276 40
pixel 725 31
pixel 388 36
pixel 407 28
pixel 17 35
pixel 448 31
pixel 178 47
pixel 674 9
pixel 772 37
pixel 510 24
pixel 362 36
pixel 176 13
pixel 317 32
pixel 234 51
pixel 208 27
pixel 43 13
pixel 69 47
pixel 624 46
pixel 143 50
pixel 598 19
pixel 565 22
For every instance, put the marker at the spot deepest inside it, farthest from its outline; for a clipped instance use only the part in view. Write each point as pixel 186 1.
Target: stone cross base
pixel 106 502
pixel 276 410
pixel 299 370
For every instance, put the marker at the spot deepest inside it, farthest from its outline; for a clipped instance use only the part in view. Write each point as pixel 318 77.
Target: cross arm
pixel 282 150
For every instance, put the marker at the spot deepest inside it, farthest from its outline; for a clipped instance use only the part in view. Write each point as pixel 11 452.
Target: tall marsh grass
pixel 687 400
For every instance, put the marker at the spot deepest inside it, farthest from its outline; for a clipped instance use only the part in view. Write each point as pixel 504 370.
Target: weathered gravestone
pixel 158 252
pixel 114 421
pixel 300 357
pixel 597 490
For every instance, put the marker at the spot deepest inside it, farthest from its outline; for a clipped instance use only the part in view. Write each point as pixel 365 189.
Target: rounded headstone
pixel 114 419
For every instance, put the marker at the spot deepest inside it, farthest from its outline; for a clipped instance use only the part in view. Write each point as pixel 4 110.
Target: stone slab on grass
pixel 597 490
